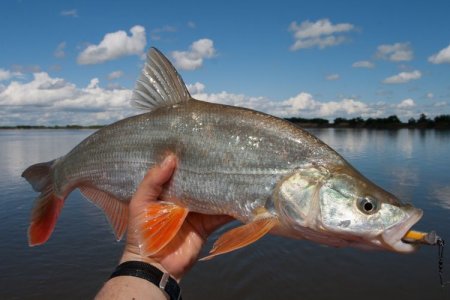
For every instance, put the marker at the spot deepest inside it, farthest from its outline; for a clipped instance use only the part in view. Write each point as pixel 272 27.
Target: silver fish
pixel 271 175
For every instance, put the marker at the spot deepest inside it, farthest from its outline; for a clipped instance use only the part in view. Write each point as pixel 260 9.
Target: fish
pixel 267 173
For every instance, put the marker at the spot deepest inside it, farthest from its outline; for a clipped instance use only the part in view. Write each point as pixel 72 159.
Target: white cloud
pixel 6 74
pixel 441 57
pixel 191 24
pixel 303 104
pixel 332 77
pixel 321 33
pixel 193 59
pixel 403 77
pixel 115 45
pixel 363 64
pixel 45 100
pixel 395 52
pixel 407 103
pixel 196 88
pixel 70 13
pixel 345 106
pixel 59 52
pixel 115 75
pixel 430 95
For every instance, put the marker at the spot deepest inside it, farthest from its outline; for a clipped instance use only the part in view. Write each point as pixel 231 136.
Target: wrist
pixel 149 272
pixel 133 255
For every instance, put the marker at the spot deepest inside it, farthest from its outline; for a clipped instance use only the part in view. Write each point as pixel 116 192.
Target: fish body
pixel 229 159
pixel 262 170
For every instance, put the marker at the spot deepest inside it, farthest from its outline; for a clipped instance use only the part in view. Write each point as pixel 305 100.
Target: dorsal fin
pixel 159 84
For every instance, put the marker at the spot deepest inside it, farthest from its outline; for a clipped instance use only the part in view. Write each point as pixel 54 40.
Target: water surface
pixel 82 252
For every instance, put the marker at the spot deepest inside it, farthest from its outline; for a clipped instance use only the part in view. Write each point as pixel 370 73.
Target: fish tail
pixel 47 206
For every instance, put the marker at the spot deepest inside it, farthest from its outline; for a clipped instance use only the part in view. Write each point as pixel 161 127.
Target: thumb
pixel 151 186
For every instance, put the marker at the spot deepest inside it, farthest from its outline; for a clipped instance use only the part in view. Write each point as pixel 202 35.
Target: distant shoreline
pixel 52 127
pixel 391 122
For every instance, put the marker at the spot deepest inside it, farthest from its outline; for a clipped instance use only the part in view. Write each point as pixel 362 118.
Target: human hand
pixel 182 252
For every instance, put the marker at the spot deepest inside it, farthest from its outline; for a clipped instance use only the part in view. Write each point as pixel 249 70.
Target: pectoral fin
pixel 158 224
pixel 242 236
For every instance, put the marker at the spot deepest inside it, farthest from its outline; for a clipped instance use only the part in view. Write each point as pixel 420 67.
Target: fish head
pixel 340 207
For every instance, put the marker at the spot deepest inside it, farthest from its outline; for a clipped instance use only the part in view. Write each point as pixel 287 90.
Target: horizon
pixel 75 64
pixel 390 122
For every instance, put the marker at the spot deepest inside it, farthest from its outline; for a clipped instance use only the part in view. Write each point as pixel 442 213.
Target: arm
pixel 177 257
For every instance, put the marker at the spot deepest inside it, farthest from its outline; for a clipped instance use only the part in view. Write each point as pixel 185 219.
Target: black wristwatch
pixel 150 273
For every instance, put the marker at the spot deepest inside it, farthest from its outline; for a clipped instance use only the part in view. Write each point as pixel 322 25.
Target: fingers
pixel 151 186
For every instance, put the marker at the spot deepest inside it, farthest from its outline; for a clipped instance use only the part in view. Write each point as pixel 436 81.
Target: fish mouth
pixel 392 237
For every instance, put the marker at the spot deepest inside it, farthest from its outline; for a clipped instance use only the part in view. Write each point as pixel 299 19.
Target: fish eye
pixel 367 205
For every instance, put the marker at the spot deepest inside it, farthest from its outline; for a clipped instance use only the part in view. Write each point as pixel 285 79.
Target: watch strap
pixel 150 273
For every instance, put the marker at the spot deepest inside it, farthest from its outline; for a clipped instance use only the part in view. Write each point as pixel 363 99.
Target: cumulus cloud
pixel 193 58
pixel 196 88
pixel 332 77
pixel 115 75
pixel 115 45
pixel 321 34
pixel 302 104
pixel 69 13
pixel 6 74
pixel 395 52
pixel 59 52
pixel 61 102
pixel 441 57
pixel 47 100
pixel 403 77
pixel 363 64
pixel 407 103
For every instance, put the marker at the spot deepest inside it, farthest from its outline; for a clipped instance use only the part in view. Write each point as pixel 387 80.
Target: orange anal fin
pixel 43 218
pixel 158 224
pixel 115 210
pixel 241 236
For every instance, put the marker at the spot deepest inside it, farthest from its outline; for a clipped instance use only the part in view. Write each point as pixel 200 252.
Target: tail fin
pixel 47 206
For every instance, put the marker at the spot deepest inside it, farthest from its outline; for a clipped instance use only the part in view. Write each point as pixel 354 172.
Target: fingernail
pixel 167 161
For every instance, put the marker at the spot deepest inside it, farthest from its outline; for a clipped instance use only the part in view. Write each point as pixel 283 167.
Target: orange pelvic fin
pixel 242 236
pixel 116 211
pixel 158 224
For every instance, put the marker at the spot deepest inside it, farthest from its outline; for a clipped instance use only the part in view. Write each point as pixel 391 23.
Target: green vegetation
pixel 52 127
pixel 391 122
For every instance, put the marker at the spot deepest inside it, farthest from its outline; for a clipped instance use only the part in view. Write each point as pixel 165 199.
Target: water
pixel 82 252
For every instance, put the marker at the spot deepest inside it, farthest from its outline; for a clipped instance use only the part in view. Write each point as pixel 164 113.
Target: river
pixel 82 252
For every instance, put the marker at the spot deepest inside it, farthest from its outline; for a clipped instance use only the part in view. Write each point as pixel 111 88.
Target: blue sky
pixel 76 62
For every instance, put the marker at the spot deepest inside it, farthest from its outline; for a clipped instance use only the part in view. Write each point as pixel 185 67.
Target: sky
pixel 76 62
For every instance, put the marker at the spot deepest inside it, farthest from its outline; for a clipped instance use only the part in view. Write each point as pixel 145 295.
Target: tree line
pixel 391 122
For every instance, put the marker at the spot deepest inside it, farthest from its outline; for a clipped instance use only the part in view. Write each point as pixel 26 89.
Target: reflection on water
pixel 412 164
pixel 442 195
